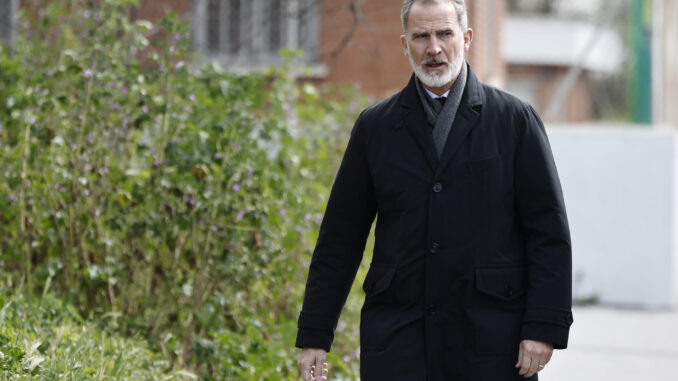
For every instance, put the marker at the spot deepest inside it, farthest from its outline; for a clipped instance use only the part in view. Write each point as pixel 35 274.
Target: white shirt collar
pixel 433 95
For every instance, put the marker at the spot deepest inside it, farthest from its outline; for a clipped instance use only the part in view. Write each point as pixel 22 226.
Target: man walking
pixel 471 272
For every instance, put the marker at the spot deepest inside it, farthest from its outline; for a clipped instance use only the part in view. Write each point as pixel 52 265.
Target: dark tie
pixel 441 100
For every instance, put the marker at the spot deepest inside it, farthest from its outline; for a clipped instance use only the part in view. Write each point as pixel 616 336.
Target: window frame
pixel 12 11
pixel 253 52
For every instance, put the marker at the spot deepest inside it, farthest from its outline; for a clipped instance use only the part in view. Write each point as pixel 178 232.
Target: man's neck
pixel 434 95
pixel 439 91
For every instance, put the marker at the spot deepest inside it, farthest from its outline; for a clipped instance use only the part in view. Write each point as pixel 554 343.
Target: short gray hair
pixel 459 7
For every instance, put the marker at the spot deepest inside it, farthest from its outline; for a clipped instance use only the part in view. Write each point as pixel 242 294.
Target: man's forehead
pixel 432 17
pixel 432 27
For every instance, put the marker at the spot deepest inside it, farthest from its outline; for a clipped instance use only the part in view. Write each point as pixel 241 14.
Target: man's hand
pixel 311 359
pixel 533 357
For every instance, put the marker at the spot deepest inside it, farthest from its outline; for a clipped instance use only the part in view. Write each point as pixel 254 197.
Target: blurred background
pixel 102 110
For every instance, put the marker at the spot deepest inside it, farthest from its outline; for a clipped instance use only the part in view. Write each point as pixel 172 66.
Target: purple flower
pixel 214 228
pixel 236 188
pixel 88 73
pixel 161 68
pixel 283 212
pixel 179 65
pixel 201 222
pixel 123 91
pixel 305 264
pixel 97 212
pixel 153 151
pixel 156 163
pixel 87 14
pixel 250 173
pixel 32 121
pixel 217 156
pixel 192 97
pixel 116 106
pixel 307 217
pixel 158 119
pixel 240 216
pixel 235 145
pixel 74 146
pixel 190 201
pixel 176 37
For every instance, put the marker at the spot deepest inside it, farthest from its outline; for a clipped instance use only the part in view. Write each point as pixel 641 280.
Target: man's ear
pixel 403 42
pixel 468 37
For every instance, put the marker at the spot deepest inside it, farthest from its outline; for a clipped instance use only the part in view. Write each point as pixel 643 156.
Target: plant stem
pixel 22 202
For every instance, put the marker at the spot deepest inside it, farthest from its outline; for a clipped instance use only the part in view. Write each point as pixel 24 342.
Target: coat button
pixel 431 310
pixel 437 187
pixel 435 247
pixel 508 290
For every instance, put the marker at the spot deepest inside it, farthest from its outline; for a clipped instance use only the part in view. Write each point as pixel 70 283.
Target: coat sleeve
pixel 541 212
pixel 341 241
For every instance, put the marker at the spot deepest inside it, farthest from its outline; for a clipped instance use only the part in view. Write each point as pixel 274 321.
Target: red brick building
pixel 357 42
pixel 353 42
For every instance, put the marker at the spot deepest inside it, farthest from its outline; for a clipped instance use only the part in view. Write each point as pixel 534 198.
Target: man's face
pixel 435 44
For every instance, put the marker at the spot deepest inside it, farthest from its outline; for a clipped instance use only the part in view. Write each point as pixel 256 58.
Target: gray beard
pixel 437 80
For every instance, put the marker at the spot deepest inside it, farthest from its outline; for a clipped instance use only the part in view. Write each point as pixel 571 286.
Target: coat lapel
pixel 466 118
pixel 414 121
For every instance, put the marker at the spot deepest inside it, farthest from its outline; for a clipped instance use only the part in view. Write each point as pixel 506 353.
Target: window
pixel 249 33
pixel 7 20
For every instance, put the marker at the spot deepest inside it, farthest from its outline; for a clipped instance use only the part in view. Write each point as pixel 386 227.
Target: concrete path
pixel 618 345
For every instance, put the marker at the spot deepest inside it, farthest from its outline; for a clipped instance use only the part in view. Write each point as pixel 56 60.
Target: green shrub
pixel 45 339
pixel 175 198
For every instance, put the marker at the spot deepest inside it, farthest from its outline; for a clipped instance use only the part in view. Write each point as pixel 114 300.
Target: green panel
pixel 640 61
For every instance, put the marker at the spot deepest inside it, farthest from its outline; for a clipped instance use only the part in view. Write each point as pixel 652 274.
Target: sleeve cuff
pixel 311 338
pixel 549 333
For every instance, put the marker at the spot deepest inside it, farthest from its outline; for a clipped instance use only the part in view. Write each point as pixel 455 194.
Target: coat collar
pixel 414 120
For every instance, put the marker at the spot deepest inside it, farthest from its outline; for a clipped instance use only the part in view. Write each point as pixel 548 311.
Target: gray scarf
pixel 440 117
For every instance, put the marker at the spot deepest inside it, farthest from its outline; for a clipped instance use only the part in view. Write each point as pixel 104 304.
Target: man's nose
pixel 434 48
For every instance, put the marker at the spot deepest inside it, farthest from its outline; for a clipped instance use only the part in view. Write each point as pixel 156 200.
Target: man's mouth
pixel 435 65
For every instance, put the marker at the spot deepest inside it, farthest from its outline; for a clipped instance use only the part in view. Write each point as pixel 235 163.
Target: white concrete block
pixel 620 192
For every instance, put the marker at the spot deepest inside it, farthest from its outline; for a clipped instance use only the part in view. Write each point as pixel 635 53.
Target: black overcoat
pixel 472 252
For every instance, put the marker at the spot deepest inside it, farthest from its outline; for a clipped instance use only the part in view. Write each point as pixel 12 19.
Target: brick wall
pixel 367 52
pixel 373 58
pixel 578 105
pixel 154 10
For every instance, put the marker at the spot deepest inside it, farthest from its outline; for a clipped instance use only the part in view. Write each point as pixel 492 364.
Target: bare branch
pixel 358 18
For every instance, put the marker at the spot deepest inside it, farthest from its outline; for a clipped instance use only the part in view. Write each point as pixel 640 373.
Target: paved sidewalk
pixel 618 345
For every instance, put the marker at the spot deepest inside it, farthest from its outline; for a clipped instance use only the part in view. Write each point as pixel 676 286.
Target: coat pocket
pixel 503 283
pixel 498 308
pixel 378 279
pixel 377 315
